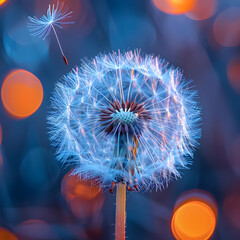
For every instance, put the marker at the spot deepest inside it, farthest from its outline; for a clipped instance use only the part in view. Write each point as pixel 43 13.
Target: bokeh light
pixel 6 234
pixel 83 198
pixel 233 72
pixel 202 9
pixel 174 6
pixel 2 2
pixel 21 93
pixel 194 216
pixel 73 187
pixel 226 27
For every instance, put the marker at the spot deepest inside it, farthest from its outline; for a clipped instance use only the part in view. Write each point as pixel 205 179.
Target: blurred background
pixel 38 197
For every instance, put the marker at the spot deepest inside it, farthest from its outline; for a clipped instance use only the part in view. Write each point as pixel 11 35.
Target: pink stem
pixel 120 212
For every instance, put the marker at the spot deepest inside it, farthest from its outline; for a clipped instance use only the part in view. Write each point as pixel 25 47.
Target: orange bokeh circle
pixel 202 9
pixel 194 220
pixel 2 2
pixel 21 93
pixel 226 27
pixel 195 216
pixel 6 235
pixel 174 6
pixel 72 187
pixel 82 196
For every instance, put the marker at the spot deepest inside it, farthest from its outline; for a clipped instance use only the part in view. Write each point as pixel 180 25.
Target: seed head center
pixel 126 117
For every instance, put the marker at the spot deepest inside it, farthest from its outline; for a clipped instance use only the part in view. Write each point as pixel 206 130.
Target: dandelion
pixel 57 15
pixel 127 120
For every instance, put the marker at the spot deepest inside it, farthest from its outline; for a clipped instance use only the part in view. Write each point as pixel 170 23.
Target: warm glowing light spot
pixel 231 209
pixel 233 72
pixel 202 9
pixel 83 191
pixel 2 2
pixel 83 198
pixel 193 220
pixel 226 27
pixel 22 93
pixel 85 209
pixel 6 235
pixel 73 187
pixel 194 217
pixel 174 6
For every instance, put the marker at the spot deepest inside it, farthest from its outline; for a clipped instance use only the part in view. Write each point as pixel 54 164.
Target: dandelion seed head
pixel 57 15
pixel 125 118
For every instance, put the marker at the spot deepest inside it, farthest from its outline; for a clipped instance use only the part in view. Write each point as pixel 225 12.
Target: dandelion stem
pixel 120 212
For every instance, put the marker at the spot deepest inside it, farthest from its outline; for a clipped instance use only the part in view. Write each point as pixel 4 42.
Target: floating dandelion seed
pixel 127 120
pixel 56 16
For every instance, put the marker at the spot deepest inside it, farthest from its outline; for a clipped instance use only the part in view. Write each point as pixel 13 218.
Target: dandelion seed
pixel 127 120
pixel 57 15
